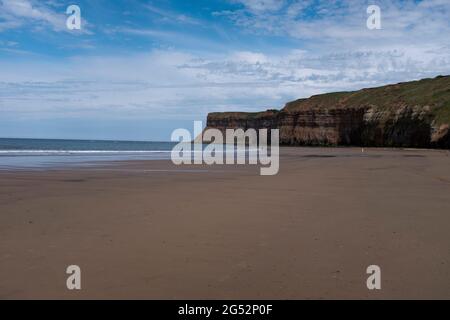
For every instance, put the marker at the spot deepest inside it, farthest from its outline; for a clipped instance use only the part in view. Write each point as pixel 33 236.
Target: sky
pixel 136 70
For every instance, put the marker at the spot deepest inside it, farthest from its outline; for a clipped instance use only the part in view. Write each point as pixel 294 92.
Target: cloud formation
pixel 35 14
pixel 15 13
pixel 169 83
pixel 342 23
pixel 271 52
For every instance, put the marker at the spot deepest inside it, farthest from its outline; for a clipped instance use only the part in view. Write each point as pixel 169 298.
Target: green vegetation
pixel 434 93
pixel 242 115
pixel 426 92
pixel 442 114
pixel 318 101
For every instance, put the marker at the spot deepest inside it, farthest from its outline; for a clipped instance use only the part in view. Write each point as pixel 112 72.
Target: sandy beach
pixel 153 230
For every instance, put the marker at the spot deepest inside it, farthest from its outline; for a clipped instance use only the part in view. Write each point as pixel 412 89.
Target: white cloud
pixel 17 13
pixel 9 24
pixel 172 84
pixel 172 17
pixel 249 57
pixel 20 10
pixel 342 24
pixel 262 5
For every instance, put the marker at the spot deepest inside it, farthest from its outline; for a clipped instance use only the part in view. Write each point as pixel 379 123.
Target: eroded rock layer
pixel 412 114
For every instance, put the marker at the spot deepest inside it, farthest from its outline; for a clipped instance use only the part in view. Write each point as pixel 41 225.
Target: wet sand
pixel 149 229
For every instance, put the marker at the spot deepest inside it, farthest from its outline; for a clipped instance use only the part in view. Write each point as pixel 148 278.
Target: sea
pixel 56 153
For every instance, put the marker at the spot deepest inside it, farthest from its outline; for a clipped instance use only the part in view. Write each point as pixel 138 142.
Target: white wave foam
pixel 79 152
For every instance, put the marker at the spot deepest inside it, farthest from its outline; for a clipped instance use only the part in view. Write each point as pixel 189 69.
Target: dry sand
pixel 149 229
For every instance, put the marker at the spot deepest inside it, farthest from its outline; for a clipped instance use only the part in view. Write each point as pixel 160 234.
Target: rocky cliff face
pixel 413 114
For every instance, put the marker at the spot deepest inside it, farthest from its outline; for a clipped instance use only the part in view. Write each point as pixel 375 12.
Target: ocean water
pixel 54 153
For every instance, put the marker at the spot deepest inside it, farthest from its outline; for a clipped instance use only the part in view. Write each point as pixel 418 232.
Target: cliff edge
pixel 410 114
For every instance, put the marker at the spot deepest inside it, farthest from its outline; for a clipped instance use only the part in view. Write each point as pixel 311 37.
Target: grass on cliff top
pixel 241 115
pixel 318 101
pixel 427 92
pixel 442 114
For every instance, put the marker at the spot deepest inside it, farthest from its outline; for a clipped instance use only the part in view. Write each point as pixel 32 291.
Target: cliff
pixel 411 114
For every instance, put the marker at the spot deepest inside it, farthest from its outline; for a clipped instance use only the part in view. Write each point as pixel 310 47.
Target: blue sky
pixel 139 69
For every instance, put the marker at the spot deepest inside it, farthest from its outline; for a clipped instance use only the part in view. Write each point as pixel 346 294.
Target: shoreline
pixel 98 159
